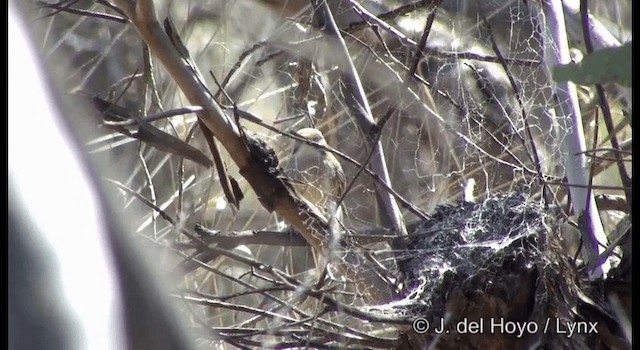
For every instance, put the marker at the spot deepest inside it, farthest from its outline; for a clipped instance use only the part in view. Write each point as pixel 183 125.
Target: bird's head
pixel 312 134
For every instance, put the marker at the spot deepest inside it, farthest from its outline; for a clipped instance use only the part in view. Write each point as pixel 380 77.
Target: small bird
pixel 316 174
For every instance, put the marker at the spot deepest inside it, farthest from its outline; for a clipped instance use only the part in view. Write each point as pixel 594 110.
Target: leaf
pixel 603 66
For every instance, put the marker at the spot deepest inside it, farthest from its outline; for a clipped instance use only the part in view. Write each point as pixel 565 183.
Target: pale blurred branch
pixel 359 107
pixel 604 106
pixel 572 133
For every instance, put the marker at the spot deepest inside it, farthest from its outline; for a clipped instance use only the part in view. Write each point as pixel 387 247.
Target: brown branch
pixel 248 153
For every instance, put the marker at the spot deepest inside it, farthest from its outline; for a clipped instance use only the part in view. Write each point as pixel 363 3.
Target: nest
pixel 493 275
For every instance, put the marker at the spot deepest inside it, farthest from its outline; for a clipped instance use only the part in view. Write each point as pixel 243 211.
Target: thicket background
pixel 472 109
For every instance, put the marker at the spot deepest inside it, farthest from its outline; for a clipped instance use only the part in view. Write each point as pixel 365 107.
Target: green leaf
pixel 603 66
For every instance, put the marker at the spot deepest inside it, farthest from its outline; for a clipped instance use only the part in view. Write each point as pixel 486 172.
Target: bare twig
pixel 423 42
pixel 393 14
pixel 278 238
pixel 587 186
pixel 237 66
pixel 60 7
